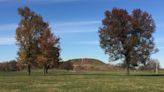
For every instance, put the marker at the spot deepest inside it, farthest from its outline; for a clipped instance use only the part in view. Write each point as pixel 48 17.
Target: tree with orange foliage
pixel 49 49
pixel 128 36
pixel 35 40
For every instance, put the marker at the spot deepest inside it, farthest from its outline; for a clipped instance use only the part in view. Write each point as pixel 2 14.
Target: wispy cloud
pixel 86 43
pixel 51 1
pixel 4 0
pixel 76 23
pixel 160 47
pixel 8 27
pixel 76 30
pixel 159 40
pixel 60 27
pixel 7 40
pixel 57 1
pixel 75 27
pixel 41 1
pixel 9 1
pixel 160 25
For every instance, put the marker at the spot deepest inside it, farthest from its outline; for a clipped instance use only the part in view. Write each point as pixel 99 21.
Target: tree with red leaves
pixel 128 36
pixel 37 45
pixel 49 49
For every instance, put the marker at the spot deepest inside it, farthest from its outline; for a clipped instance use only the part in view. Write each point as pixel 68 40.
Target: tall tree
pixel 49 49
pixel 27 34
pixel 127 36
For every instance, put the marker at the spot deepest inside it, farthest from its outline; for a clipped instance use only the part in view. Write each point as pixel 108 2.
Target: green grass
pixel 62 81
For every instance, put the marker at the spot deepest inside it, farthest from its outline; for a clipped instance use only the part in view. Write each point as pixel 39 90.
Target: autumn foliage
pixel 37 44
pixel 128 36
pixel 48 49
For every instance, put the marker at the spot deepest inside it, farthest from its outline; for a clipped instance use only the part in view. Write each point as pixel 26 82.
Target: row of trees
pixel 37 44
pixel 13 65
pixel 9 66
pixel 151 65
pixel 123 36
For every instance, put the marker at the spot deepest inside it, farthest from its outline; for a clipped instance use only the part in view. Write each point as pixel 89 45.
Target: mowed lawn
pixel 62 81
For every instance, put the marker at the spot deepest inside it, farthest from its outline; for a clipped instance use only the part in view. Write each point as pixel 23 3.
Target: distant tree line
pixel 13 65
pixel 151 64
pixel 9 66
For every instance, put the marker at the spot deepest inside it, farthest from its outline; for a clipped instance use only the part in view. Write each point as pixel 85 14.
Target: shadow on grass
pixel 149 75
pixel 59 74
pixel 146 75
pixel 92 74
pixel 24 73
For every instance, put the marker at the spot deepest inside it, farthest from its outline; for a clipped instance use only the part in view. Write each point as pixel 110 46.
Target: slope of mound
pixel 88 64
pixel 86 61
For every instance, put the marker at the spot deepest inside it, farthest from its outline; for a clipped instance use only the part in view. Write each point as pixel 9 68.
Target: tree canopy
pixel 35 39
pixel 127 36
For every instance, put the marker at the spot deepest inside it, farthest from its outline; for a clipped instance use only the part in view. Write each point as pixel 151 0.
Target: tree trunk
pixel 44 69
pixel 128 68
pixel 47 67
pixel 29 69
pixel 127 63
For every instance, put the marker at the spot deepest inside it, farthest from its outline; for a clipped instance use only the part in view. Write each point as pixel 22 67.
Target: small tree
pixel 152 64
pixel 49 49
pixel 68 65
pixel 127 37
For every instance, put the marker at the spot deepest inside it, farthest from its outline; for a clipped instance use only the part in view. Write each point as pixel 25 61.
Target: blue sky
pixel 76 22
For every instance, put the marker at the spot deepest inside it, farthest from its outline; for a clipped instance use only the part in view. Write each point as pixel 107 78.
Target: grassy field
pixel 62 81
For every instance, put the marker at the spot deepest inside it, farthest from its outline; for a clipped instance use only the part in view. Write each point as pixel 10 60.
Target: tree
pixel 27 34
pixel 49 49
pixel 8 66
pixel 56 56
pixel 127 36
pixel 152 64
pixel 68 65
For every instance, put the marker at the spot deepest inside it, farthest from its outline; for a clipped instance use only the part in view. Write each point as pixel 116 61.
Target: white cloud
pixel 7 40
pixel 8 27
pixel 51 1
pixel 61 27
pixel 64 30
pixel 3 0
pixel 75 27
pixel 62 0
pixel 77 23
pixel 160 25
pixel 159 40
pixel 87 43
pixel 160 47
